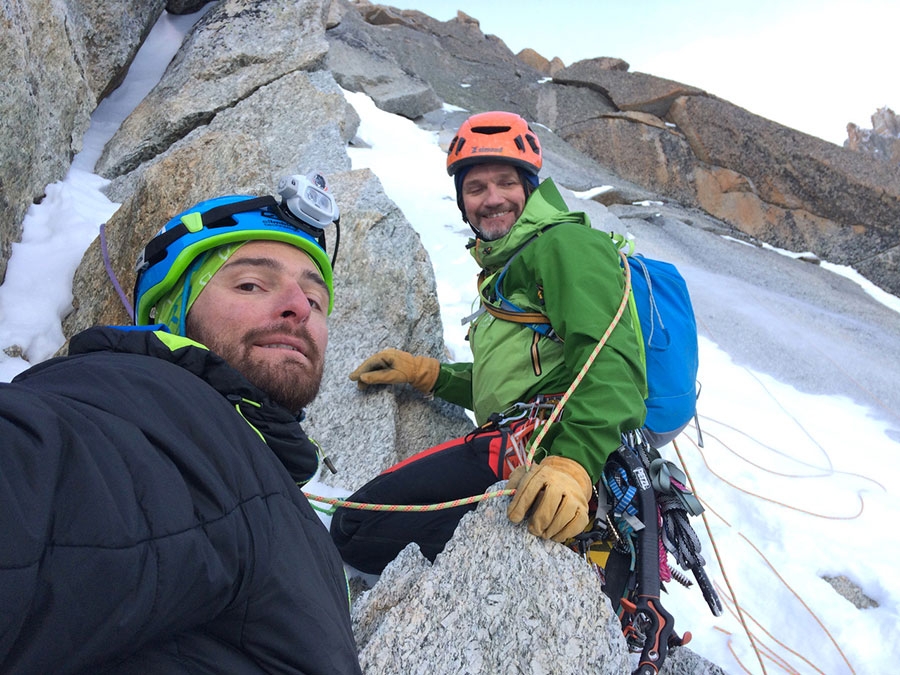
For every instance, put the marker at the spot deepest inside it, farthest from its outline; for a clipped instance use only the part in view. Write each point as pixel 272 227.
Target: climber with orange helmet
pixel 536 258
pixel 152 521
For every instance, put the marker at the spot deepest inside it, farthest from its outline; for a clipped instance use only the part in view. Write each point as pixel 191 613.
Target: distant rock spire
pixel 882 141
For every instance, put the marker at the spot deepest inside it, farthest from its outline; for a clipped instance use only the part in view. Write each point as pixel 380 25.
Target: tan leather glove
pixel 392 366
pixel 555 493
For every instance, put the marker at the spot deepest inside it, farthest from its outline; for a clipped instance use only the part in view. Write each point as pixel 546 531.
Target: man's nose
pixel 493 195
pixel 294 304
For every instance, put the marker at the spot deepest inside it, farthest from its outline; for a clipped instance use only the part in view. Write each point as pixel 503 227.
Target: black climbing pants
pixel 463 467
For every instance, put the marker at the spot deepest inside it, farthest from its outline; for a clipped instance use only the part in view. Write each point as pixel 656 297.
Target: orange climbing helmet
pixel 495 137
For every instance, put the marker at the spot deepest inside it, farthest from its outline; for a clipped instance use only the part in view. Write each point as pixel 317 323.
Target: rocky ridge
pixel 882 141
pixel 251 74
pixel 770 182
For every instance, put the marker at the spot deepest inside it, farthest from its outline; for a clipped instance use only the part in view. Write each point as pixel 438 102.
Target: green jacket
pixel 570 273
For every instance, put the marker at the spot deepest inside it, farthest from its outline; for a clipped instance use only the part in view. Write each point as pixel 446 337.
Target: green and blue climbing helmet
pixel 300 219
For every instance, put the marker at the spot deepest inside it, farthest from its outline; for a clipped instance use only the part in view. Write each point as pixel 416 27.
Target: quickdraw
pixel 522 419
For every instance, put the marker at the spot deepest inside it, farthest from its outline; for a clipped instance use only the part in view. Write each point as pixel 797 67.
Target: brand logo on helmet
pixel 492 150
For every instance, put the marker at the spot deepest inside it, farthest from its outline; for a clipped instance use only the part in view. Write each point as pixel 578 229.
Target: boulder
pixel 223 60
pixel 217 158
pixel 359 63
pixel 318 132
pixel 497 600
pixel 66 56
pixel 535 60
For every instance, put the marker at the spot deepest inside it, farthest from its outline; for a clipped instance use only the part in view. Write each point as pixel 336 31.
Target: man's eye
pixel 316 301
pixel 247 286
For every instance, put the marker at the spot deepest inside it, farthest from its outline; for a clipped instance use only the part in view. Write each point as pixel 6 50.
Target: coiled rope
pixel 533 444
pixel 736 608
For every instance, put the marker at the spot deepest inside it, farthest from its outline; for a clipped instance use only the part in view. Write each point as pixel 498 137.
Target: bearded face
pixel 289 381
pixel 264 312
pixel 494 197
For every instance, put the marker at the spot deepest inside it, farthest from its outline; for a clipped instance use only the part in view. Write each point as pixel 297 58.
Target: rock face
pixel 543 612
pixel 771 182
pixel 469 616
pixel 59 59
pixel 359 63
pixel 814 196
pixel 255 94
pixel 222 63
pixel 684 144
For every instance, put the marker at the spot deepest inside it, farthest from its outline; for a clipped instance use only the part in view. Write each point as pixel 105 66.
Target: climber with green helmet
pixel 150 476
pixel 539 257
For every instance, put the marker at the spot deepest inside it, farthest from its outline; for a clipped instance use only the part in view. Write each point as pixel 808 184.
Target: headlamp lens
pixel 307 199
pixel 319 201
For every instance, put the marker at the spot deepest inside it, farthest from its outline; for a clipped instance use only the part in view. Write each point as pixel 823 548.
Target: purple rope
pixel 112 275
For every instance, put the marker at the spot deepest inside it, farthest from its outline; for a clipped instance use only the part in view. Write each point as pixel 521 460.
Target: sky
pixel 762 485
pixel 813 65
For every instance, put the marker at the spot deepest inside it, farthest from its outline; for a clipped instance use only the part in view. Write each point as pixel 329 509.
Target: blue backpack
pixel 661 307
pixel 669 339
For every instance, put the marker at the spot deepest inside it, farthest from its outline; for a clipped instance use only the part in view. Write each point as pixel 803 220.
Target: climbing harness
pixel 517 424
pixel 521 420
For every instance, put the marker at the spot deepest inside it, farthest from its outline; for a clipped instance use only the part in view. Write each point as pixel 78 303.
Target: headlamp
pixel 307 199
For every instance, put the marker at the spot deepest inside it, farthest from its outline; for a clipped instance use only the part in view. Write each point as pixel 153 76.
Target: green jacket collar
pixel 545 207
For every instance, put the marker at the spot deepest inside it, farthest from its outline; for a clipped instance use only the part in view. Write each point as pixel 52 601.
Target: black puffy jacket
pixel 145 527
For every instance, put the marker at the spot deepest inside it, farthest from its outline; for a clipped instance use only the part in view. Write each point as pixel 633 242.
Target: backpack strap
pixel 518 316
pixel 507 311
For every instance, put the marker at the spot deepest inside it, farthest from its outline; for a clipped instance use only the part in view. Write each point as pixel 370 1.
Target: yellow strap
pixel 516 317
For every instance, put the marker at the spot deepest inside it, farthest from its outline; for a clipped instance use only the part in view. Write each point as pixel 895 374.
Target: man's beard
pixel 290 384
